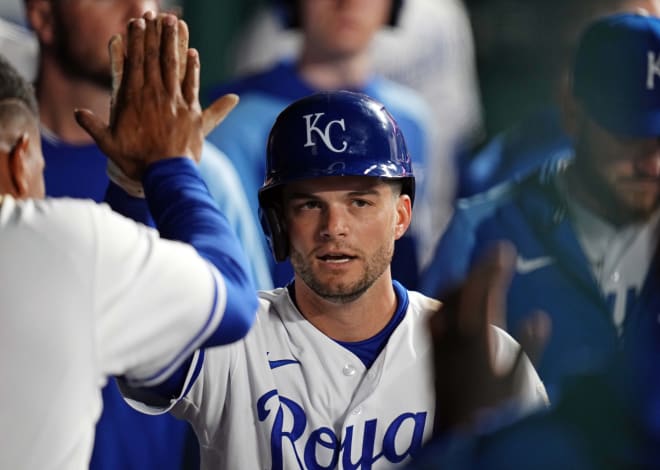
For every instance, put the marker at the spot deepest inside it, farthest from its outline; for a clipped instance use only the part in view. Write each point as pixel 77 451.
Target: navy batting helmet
pixel 336 133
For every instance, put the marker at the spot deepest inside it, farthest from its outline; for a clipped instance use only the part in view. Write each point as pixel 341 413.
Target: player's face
pixel 337 28
pixel 622 174
pixel 82 29
pixel 342 232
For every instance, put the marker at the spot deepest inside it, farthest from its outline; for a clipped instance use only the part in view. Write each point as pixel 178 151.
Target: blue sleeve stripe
pixel 199 362
pixel 211 324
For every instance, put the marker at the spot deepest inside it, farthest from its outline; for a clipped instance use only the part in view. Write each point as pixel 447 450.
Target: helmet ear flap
pixel 272 224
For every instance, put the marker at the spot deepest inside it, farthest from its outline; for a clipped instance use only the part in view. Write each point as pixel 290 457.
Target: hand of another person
pixel 467 381
pixel 155 110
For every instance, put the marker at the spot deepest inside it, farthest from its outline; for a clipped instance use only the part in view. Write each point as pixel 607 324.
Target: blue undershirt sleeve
pixel 179 205
pixel 183 210
pixel 132 207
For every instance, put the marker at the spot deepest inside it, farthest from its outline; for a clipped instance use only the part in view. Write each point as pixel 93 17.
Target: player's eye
pixel 309 204
pixel 361 202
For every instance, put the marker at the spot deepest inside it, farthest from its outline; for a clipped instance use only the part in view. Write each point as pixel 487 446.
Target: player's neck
pixel 325 73
pixel 59 95
pixel 357 320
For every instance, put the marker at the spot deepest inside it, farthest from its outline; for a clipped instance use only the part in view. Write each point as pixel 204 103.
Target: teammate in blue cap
pixel 336 372
pixel 585 228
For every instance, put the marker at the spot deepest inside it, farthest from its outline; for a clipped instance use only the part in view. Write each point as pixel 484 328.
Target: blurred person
pixel 585 227
pixel 74 72
pixel 539 137
pixel 86 293
pixel 334 54
pixel 602 419
pixel 336 371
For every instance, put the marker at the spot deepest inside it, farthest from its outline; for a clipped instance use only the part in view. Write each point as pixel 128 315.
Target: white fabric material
pixel 620 257
pixel 84 294
pixel 322 393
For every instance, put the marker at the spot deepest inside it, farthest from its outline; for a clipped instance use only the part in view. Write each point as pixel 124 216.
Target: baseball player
pixel 336 372
pixel 74 72
pixel 334 55
pixel 86 293
pixel 587 226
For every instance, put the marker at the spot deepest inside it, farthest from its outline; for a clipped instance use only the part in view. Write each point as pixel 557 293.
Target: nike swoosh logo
pixel 282 362
pixel 526 266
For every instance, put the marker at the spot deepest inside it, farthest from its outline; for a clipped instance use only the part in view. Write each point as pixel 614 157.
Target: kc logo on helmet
pixel 324 134
pixel 652 70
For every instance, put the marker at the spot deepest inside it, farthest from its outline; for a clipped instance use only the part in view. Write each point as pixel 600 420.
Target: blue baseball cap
pixel 616 74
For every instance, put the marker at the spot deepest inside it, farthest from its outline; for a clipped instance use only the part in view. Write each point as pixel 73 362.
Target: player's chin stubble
pixel 337 291
pixel 77 67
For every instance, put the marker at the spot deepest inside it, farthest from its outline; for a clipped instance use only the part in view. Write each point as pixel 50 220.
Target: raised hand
pixel 467 381
pixel 155 111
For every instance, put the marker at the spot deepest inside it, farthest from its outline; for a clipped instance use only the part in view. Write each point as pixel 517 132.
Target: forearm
pixel 184 210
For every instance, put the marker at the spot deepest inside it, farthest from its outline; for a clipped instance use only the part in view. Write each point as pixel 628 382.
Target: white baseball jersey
pixel 86 293
pixel 289 397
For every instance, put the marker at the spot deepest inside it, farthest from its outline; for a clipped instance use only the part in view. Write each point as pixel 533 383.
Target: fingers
pixel 96 128
pixel 152 70
pixel 217 112
pixel 190 84
pixel 116 49
pixel 501 272
pixel 169 58
pixel 483 297
pixel 134 64
pixel 184 38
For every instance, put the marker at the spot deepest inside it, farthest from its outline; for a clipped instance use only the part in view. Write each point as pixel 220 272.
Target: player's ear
pixel 404 215
pixel 18 171
pixel 39 15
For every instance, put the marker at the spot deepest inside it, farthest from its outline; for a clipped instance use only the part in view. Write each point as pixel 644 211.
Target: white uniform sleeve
pixel 155 301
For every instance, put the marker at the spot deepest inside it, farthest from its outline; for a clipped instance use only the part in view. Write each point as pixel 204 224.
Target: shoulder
pixel 484 203
pixel 400 100
pixel 423 304
pixel 276 300
pixel 250 121
pixel 536 187
pixel 59 224
pixel 271 81
pixel 48 212
pixel 215 161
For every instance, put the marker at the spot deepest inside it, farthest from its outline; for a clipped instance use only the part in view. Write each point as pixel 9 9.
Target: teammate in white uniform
pixel 336 372
pixel 86 293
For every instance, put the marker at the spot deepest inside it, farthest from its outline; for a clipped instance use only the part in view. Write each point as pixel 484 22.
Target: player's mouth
pixel 336 258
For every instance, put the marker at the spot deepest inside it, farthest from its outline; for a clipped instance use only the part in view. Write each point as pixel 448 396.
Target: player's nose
pixel 335 222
